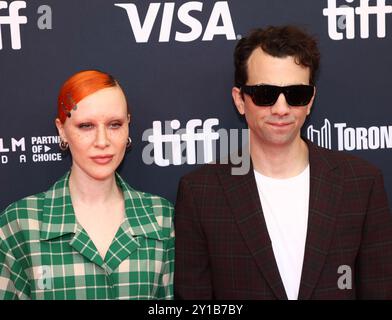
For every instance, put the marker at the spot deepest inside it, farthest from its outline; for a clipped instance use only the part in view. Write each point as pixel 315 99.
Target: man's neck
pixel 279 161
pixel 87 190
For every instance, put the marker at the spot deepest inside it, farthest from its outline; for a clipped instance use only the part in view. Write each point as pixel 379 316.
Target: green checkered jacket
pixel 46 254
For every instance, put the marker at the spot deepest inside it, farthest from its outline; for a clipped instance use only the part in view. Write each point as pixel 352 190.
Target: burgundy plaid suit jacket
pixel 223 250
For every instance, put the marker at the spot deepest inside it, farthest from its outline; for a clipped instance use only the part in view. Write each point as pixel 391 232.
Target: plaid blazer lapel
pixel 326 188
pixel 243 198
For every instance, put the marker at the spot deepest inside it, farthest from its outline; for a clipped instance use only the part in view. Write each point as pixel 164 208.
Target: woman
pixel 90 236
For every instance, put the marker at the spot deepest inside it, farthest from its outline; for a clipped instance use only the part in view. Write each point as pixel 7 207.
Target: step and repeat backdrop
pixel 174 61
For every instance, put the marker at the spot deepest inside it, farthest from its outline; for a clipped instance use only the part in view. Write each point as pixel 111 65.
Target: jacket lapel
pixel 59 219
pixel 243 198
pixel 58 216
pixel 139 226
pixel 324 201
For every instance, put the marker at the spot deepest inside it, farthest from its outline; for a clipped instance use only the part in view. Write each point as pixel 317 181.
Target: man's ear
pixel 238 99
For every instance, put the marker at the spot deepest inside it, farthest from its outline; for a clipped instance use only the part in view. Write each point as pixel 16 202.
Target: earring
pixel 63 145
pixel 129 142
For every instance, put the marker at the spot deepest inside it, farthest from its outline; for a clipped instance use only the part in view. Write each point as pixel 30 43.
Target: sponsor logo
pixel 142 31
pixel 343 18
pixel 322 137
pixel 349 138
pixel 40 149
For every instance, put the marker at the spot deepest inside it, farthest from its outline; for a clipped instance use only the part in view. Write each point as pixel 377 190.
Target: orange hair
pixel 79 86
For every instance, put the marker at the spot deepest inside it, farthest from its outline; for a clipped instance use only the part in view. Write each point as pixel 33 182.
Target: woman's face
pixel 97 133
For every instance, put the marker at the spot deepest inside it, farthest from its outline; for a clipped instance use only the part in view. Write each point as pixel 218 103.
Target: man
pixel 304 222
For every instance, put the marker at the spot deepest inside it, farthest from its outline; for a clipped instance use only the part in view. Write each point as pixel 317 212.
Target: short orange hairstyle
pixel 79 86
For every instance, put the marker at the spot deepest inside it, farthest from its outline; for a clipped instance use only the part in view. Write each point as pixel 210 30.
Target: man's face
pixel 280 124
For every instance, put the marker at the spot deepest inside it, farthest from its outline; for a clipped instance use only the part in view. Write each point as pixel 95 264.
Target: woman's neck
pixel 88 190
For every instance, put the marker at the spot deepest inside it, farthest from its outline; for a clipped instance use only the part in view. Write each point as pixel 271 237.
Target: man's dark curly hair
pixel 278 42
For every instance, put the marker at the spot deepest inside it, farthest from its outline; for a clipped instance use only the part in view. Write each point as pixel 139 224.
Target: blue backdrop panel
pixel 174 60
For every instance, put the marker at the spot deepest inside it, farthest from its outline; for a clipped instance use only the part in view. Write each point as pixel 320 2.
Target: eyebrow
pixel 109 118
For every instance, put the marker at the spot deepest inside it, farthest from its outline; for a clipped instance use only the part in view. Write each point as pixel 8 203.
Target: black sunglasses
pixel 264 95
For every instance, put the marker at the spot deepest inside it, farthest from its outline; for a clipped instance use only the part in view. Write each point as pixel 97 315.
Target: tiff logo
pixel 142 30
pixel 172 145
pixel 14 20
pixel 364 11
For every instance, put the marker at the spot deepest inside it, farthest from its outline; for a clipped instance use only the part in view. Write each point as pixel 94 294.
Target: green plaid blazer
pixel 46 254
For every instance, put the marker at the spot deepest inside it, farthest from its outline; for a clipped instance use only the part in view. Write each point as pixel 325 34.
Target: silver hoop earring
pixel 63 145
pixel 129 142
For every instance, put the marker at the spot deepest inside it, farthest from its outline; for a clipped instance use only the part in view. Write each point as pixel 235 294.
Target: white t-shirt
pixel 285 204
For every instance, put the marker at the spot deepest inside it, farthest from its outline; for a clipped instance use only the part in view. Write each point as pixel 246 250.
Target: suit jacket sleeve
pixel 374 263
pixel 192 279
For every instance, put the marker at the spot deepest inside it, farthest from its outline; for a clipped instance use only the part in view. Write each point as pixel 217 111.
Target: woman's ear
pixel 60 128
